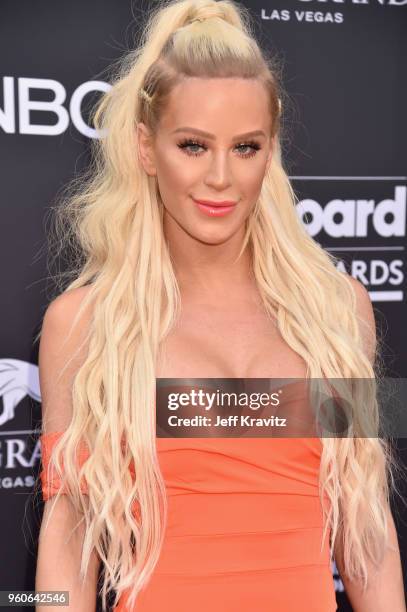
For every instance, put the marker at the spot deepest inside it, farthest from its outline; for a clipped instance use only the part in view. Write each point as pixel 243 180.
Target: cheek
pixel 176 174
pixel 250 179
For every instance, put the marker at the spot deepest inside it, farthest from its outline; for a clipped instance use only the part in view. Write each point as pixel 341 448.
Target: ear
pixel 146 155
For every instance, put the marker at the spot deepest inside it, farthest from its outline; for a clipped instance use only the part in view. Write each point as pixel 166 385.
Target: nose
pixel 219 174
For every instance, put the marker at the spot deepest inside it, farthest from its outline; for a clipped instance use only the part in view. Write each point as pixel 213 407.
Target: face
pixel 205 148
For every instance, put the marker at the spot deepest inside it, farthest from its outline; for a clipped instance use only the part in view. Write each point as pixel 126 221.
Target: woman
pixel 193 263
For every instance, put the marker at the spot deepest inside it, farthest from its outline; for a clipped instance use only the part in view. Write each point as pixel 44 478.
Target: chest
pixel 227 343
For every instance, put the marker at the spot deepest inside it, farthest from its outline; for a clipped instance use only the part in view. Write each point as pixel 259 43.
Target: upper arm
pixel 366 318
pixel 62 351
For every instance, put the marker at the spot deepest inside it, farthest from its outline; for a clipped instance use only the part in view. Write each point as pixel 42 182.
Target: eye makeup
pixel 186 143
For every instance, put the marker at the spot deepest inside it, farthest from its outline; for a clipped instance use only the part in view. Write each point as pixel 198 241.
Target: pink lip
pixel 215 209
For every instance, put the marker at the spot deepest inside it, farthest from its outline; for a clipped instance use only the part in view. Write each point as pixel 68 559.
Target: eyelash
pixel 189 142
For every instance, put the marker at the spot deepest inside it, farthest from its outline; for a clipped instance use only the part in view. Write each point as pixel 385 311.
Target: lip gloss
pixel 214 211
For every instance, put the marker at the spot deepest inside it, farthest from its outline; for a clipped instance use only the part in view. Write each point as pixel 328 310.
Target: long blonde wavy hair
pixel 113 222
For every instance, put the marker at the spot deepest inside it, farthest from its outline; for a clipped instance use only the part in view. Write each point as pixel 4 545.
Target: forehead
pixel 220 104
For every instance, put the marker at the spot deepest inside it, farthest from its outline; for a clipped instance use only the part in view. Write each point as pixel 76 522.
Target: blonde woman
pixel 193 263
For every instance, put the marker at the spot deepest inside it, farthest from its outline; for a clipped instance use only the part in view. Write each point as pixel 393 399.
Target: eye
pixel 186 145
pixel 254 146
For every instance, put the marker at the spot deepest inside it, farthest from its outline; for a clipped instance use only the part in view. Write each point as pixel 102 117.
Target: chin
pixel 213 236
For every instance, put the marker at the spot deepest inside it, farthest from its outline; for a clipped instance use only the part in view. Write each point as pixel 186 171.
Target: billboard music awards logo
pixel 321 11
pixel 368 233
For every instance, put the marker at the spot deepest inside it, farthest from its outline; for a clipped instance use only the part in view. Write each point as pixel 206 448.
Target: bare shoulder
pixel 365 315
pixel 63 349
pixel 68 303
pixel 64 317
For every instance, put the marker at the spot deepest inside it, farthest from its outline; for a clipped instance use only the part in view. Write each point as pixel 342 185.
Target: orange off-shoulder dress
pixel 244 527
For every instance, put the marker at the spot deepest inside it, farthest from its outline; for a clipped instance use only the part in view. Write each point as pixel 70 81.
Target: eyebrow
pixel 212 136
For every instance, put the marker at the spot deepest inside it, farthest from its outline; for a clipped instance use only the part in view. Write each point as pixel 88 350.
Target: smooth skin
pixel 218 295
